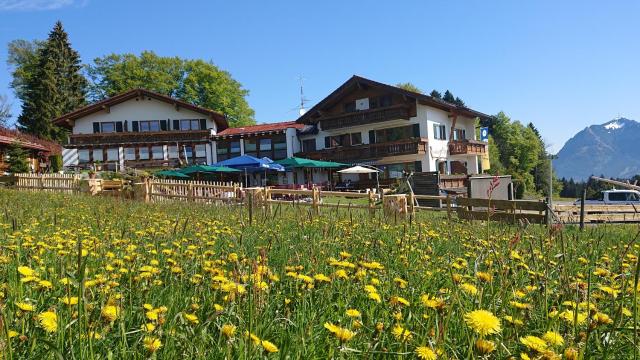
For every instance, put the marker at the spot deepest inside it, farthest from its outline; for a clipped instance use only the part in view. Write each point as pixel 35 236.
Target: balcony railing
pixel 467 147
pixel 369 151
pixel 140 137
pixel 365 117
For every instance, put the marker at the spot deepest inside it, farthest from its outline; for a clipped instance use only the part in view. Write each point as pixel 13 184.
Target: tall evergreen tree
pixel 17 159
pixel 458 101
pixel 436 94
pixel 448 97
pixel 56 88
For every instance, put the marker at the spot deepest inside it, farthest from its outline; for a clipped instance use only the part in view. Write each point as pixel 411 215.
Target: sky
pixel 562 65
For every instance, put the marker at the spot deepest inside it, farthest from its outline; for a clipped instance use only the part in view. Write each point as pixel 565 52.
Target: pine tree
pixel 458 101
pixel 56 88
pixel 18 159
pixel 436 94
pixel 448 97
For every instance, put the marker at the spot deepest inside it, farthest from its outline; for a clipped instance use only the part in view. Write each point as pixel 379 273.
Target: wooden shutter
pixel 176 124
pixel 134 126
pixel 96 127
pixel 203 124
pixel 118 126
pixel 163 125
pixel 372 136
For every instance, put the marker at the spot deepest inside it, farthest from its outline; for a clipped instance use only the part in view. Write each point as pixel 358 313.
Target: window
pixel 396 133
pixel 157 152
pixel 130 153
pixel 633 197
pixel 143 153
pixel 394 171
pixel 350 107
pixel 113 154
pixel 190 124
pixel 439 132
pixel 265 145
pixel 251 147
pixel 97 155
pixel 83 156
pixel 173 152
pixel 459 134
pixel 188 150
pixel 622 196
pixel 201 150
pixel 149 125
pixel 309 145
pixel 235 147
pixel 108 127
pixel 356 138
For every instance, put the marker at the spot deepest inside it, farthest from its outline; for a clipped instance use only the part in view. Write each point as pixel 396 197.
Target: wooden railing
pixel 140 137
pixel 511 211
pixel 369 151
pixel 470 147
pixel 186 190
pixel 595 213
pixel 363 117
pixel 48 182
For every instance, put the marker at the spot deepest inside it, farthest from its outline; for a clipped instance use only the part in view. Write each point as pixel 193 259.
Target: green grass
pixel 210 262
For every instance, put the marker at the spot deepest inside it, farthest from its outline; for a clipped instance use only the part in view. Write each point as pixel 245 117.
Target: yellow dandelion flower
pixel 425 353
pixel 48 321
pixel 110 313
pixel 192 318
pixel 534 343
pixel 398 300
pixel 268 346
pixel 341 334
pixel 25 306
pixel 553 338
pixel 26 271
pixel 228 330
pixel 485 346
pixel 469 288
pixel 353 313
pixel 401 333
pixel 152 344
pixel 483 322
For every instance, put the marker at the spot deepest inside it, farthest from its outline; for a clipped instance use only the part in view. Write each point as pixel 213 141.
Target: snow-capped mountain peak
pixel 613 125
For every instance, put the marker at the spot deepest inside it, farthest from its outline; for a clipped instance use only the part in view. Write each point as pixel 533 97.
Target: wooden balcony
pixel 140 137
pixel 368 151
pixel 364 117
pixel 467 147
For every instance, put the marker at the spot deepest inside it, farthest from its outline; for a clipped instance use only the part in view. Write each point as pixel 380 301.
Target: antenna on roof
pixel 303 100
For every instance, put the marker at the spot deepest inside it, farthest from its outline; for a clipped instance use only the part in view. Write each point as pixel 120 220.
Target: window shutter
pixel 118 126
pixel 134 126
pixel 444 132
pixel 96 127
pixel 418 166
pixel 327 141
pixel 163 125
pixel 372 137
pixel 416 130
pixel 176 124
pixel 203 124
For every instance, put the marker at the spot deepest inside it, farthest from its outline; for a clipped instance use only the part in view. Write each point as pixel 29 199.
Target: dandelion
pixel 483 322
pixel 534 343
pixel 26 271
pixel 553 338
pixel 401 333
pixel 469 289
pixel 192 318
pixel 110 313
pixel 341 334
pixel 228 330
pixel 152 344
pixel 425 353
pixel 48 321
pixel 353 313
pixel 73 300
pixel 25 306
pixel 398 300
pixel 268 346
pixel 485 346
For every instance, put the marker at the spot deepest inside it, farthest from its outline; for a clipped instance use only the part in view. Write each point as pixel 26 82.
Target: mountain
pixel 610 149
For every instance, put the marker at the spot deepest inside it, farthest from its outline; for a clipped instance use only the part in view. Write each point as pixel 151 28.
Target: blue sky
pixel 562 65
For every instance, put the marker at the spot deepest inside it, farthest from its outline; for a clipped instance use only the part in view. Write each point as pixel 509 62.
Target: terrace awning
pixel 171 173
pixel 296 162
pixel 251 164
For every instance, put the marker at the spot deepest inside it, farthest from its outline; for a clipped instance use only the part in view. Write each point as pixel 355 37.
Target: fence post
pixel 583 200
pixel 372 204
pixel 315 198
pixel 448 207
pixel 41 182
pixel 148 189
pixel 190 192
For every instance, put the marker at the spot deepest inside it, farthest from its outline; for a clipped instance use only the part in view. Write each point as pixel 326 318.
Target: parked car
pixel 614 197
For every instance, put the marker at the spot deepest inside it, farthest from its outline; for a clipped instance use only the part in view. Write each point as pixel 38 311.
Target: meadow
pixel 103 278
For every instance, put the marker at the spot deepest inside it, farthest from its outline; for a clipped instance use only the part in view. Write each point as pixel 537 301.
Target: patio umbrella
pixel 251 164
pixel 171 173
pixel 296 162
pixel 359 169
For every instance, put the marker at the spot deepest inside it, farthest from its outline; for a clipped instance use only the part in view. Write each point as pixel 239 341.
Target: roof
pixel 10 136
pixel 425 99
pixel 260 129
pixel 219 118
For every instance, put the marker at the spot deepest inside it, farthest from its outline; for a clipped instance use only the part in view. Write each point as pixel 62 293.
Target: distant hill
pixel 611 149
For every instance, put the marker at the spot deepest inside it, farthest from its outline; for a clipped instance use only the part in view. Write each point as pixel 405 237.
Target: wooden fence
pixel 48 182
pixel 594 213
pixel 157 190
pixel 511 211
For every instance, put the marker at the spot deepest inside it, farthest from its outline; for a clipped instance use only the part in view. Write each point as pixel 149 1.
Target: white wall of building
pixel 132 110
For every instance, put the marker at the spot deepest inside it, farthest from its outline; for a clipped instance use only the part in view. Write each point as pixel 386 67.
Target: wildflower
pixel 534 343
pixel 26 271
pixel 431 302
pixel 45 284
pixel 485 346
pixel 25 306
pixel 110 313
pixel 192 318
pixel 152 344
pixel 268 346
pixel 375 296
pixel 570 354
pixel 425 353
pixel 602 319
pixel 341 334
pixel 401 333
pixel 48 321
pixel 519 305
pixel 398 300
pixel 569 316
pixel 553 338
pixel 353 313
pixel 228 330
pixel 483 322
pixel 321 278
pixel 148 327
pixel 73 300
pixel 469 289
pixel 484 276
